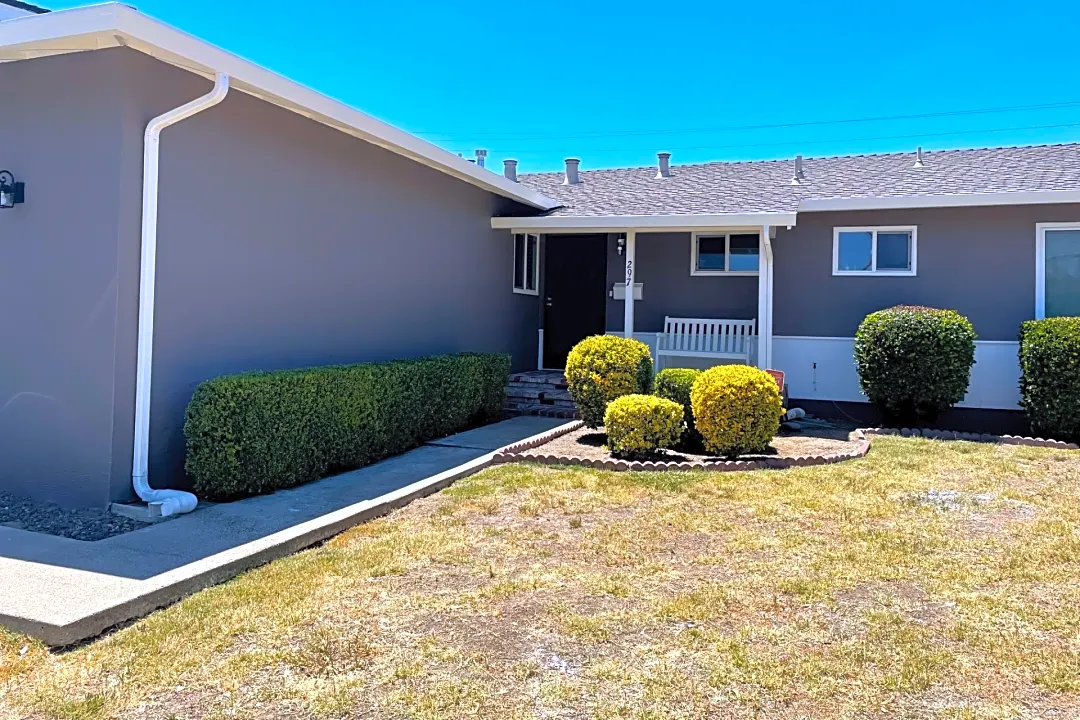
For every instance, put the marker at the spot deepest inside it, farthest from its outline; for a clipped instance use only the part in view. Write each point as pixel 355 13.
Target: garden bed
pixel 575 444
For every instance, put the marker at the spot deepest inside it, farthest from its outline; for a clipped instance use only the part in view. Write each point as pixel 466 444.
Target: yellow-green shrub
pixel 604 367
pixel 737 409
pixel 642 424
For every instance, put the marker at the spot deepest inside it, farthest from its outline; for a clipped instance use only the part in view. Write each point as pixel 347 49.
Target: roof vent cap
pixel 918 157
pixel 664 165
pixel 797 177
pixel 572 177
pixel 510 170
pixel 481 154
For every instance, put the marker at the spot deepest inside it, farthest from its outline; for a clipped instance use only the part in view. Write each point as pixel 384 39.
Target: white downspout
pixel 171 502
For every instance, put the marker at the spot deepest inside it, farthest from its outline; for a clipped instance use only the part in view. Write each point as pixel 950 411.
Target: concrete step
pixel 543 411
pixel 535 377
pixel 541 393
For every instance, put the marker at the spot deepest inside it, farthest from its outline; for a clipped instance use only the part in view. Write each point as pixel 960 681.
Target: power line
pixel 915 136
pixel 774 126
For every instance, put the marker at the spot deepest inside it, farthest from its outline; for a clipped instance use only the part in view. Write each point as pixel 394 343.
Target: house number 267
pixel 629 272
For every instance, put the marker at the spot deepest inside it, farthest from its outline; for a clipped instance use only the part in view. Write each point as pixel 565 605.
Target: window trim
pixel 695 272
pixel 1040 262
pixel 873 271
pixel 536 265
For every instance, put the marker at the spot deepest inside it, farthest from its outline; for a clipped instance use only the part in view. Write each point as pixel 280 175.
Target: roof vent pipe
pixel 797 177
pixel 572 172
pixel 510 169
pixel 168 502
pixel 664 169
pixel 480 155
pixel 918 157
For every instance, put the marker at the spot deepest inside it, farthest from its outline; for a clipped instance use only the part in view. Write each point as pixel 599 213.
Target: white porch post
pixel 765 297
pixel 628 308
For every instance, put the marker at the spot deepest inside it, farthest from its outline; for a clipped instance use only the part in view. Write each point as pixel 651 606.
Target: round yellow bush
pixel 737 409
pixel 640 425
pixel 604 367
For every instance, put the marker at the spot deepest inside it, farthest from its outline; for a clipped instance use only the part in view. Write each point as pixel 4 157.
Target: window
pixel 526 264
pixel 724 254
pixel 874 251
pixel 1057 270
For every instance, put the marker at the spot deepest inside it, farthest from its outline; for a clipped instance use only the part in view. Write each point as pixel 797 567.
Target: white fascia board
pixel 1033 197
pixel 619 223
pixel 113 24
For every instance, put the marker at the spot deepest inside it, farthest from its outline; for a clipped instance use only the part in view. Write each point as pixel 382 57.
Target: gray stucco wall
pixel 58 278
pixel 663 269
pixel 282 243
pixel 285 243
pixel 979 261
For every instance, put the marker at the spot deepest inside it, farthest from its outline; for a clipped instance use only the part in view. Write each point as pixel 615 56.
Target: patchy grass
pixel 530 591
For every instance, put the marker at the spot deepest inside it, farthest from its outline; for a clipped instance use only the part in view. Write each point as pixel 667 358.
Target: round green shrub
pixel 604 367
pixel 675 384
pixel 737 409
pixel 640 425
pixel 914 362
pixel 1050 376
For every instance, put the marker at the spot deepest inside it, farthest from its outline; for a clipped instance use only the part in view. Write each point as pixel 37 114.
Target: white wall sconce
pixel 11 193
pixel 621 244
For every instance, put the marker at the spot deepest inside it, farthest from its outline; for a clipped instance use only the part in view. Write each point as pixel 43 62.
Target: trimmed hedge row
pixel 1050 376
pixel 259 432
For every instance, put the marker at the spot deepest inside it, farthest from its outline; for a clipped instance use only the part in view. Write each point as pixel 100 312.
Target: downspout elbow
pixel 170 502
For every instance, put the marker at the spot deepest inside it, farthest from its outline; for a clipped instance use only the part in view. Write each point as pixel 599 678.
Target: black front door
pixel 575 293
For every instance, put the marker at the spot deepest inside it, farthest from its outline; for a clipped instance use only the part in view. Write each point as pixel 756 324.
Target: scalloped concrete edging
pixel 515 453
pixel 973 437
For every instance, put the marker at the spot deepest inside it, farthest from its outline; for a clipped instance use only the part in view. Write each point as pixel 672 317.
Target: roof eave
pixel 1031 197
pixel 620 223
pixel 112 25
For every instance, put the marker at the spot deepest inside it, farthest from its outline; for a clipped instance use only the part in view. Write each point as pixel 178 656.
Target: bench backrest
pixel 708 335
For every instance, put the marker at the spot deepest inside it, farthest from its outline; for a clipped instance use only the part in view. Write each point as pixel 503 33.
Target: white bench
pixel 706 338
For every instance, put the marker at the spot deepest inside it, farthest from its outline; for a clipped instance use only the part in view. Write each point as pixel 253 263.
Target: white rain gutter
pixel 170 502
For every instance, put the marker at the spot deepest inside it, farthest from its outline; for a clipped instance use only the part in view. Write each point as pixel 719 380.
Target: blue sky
pixel 612 83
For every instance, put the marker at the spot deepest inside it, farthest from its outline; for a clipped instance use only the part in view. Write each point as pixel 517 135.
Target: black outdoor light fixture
pixel 11 193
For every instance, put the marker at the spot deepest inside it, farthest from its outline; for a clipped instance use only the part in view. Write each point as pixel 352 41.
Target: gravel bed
pixel 18 512
pixel 587 444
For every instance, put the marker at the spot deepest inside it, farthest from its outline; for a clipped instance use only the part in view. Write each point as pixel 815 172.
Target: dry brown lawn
pixel 844 591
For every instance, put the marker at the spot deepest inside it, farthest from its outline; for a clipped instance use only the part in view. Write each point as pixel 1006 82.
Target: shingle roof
pixel 765 186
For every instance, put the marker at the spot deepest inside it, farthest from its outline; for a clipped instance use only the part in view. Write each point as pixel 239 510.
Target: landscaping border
pixel 516 453
pixel 973 437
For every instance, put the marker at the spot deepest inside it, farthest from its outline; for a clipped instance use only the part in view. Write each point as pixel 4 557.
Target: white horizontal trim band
pixel 619 223
pixel 1034 197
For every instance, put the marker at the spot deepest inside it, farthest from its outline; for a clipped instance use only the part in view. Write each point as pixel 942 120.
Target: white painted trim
pixel 1040 262
pixel 631 271
pixel 621 223
pixel 726 234
pixel 110 25
pixel 536 265
pixel 823 368
pixel 540 349
pixel 873 271
pixel 1029 197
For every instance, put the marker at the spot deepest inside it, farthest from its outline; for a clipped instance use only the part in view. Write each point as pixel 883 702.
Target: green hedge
pixel 675 384
pixel 1050 376
pixel 259 432
pixel 914 362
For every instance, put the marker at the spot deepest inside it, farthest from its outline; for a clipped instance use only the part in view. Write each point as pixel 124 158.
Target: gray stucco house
pixel 187 214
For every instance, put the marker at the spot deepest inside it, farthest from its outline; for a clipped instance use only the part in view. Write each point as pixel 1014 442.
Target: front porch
pixel 716 280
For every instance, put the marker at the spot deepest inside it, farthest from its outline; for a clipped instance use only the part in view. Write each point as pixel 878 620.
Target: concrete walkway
pixel 63 591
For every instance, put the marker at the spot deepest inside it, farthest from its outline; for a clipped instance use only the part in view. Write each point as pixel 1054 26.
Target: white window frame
pixel 873 271
pixel 726 234
pixel 1040 262
pixel 525 268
